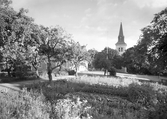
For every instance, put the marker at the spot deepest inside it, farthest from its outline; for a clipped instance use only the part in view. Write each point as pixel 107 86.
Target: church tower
pixel 121 45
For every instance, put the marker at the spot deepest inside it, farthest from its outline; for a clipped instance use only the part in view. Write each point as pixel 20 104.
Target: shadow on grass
pixel 60 88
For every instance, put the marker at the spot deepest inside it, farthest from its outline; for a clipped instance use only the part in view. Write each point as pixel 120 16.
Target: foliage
pixel 15 36
pixel 118 62
pixel 53 47
pixel 92 54
pixel 25 41
pixel 142 94
pixel 149 55
pixel 71 72
pixel 72 108
pixel 105 59
pixel 105 101
pixel 25 105
pixel 112 71
pixel 74 99
pixel 160 111
pixel 79 54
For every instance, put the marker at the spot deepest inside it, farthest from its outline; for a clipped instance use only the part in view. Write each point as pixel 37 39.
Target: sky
pixel 94 23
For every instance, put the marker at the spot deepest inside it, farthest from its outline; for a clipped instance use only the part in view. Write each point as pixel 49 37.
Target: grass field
pixel 87 97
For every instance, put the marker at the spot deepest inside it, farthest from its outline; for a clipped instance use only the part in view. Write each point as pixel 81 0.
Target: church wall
pixel 121 49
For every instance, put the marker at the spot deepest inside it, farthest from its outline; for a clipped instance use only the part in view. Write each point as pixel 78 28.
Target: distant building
pixel 83 66
pixel 121 45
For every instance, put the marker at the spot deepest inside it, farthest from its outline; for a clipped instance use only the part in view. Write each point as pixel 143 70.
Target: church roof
pixel 121 30
pixel 121 36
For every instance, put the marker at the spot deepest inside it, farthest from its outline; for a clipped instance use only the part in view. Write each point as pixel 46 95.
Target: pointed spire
pixel 121 30
pixel 121 36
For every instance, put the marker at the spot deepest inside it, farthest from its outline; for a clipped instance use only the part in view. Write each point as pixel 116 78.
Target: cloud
pixel 95 22
pixel 151 3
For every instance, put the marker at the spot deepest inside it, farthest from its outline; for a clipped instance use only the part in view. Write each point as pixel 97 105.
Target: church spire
pixel 121 30
pixel 120 36
pixel 121 45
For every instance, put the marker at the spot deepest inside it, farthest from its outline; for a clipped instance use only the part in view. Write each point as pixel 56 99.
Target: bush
pixel 23 105
pixel 71 72
pixel 112 72
pixel 73 108
pixel 159 111
pixel 71 100
pixel 142 94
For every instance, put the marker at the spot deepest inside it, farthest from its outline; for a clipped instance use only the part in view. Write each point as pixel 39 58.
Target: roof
pixel 121 36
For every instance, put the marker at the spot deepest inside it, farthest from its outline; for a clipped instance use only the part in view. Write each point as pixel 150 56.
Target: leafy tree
pixel 151 49
pixel 104 59
pixel 92 53
pixel 136 60
pixel 118 62
pixel 15 32
pixel 129 60
pixel 159 49
pixel 79 55
pixel 53 47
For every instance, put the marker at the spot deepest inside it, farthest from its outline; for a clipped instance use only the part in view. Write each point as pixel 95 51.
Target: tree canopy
pixel 105 59
pixel 149 56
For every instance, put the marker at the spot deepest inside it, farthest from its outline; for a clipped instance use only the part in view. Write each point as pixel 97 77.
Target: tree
pixel 159 50
pixel 14 33
pixel 104 59
pixel 151 49
pixel 53 47
pixel 92 54
pixel 79 55
pixel 146 61
pixel 118 62
pixel 129 60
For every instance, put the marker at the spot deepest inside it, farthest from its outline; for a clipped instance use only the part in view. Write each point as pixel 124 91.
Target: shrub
pixel 159 111
pixel 112 72
pixel 142 94
pixel 73 99
pixel 23 105
pixel 73 108
pixel 71 72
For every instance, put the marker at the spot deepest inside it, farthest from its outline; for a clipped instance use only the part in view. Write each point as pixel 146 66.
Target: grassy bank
pixel 87 98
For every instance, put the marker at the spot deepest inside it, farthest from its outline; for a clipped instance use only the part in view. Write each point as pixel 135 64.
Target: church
pixel 121 45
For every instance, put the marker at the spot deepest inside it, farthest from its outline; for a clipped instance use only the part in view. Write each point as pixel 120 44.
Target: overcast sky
pixel 95 23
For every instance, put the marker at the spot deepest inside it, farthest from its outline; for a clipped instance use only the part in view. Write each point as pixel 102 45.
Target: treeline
pixel 24 44
pixel 149 56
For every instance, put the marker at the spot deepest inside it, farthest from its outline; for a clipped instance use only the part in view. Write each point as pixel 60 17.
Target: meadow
pixel 86 97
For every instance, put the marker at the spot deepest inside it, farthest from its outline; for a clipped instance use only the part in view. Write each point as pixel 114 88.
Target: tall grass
pixel 86 98
pixel 109 81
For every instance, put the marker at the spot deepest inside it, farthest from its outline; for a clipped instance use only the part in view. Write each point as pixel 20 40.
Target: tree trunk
pixel 50 76
pixel 49 71
pixel 9 74
pixel 76 70
pixel 105 72
pixel 37 73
